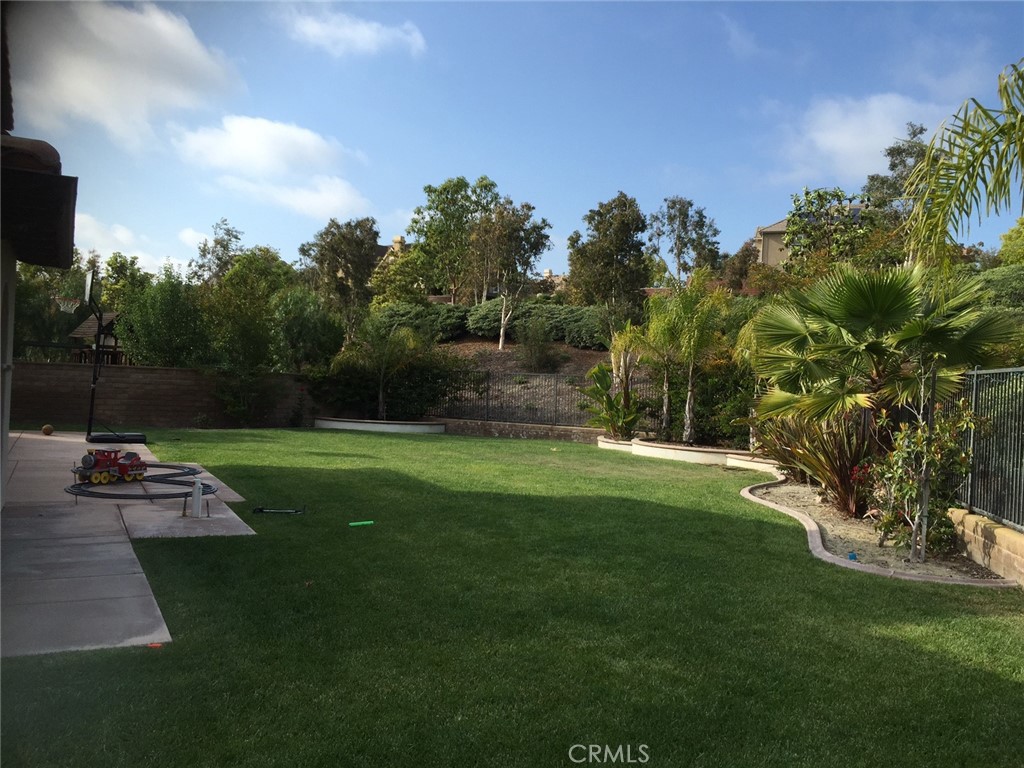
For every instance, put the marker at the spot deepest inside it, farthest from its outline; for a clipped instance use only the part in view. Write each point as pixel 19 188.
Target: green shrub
pixel 248 396
pixel 484 319
pixel 351 390
pixel 610 414
pixel 829 451
pixel 534 351
pixel 585 327
pixel 404 314
pixel 580 327
pixel 724 397
pixel 443 322
pixel 449 321
pixel 896 477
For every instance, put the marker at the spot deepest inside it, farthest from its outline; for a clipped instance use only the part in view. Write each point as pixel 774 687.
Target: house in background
pixel 109 350
pixel 770 247
pixel 388 253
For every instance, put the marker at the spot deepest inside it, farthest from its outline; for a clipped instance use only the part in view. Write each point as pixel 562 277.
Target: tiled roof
pixel 87 329
pixel 777 228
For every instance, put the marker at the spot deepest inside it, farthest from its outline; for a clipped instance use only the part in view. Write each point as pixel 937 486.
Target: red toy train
pixel 108 465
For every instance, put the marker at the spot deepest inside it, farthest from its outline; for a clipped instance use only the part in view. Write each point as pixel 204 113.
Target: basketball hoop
pixel 67 303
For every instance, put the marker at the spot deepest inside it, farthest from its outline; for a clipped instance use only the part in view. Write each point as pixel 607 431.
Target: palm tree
pixel 869 340
pixel 625 355
pixel 383 348
pixel 976 156
pixel 855 344
pixel 679 331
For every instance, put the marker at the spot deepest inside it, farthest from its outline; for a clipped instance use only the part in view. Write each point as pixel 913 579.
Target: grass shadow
pixel 488 619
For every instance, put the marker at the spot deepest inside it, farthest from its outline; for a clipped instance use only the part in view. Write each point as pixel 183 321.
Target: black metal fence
pixel 995 486
pixel 525 398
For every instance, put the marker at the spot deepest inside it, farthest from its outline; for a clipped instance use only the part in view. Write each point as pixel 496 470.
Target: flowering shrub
pixel 860 481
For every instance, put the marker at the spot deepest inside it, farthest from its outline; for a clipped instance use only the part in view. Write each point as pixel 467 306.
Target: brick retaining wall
pixel 997 547
pixel 130 396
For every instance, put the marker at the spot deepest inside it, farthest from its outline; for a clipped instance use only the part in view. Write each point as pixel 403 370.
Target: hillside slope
pixel 486 355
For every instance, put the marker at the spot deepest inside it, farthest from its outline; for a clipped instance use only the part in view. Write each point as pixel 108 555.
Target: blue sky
pixel 280 116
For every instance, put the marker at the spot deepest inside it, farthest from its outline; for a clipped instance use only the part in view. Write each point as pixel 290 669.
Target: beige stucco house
pixel 770 247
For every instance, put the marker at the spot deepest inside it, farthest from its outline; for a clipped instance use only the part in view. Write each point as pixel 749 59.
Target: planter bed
pixel 369 425
pixel 693 454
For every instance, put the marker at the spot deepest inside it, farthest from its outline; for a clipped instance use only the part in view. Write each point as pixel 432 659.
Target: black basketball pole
pixel 97 364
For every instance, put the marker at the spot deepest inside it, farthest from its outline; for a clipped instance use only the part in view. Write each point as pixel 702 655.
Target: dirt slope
pixel 486 355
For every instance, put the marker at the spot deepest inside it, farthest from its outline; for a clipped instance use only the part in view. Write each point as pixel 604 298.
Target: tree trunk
pixel 666 409
pixel 926 479
pixel 381 404
pixel 691 396
pixel 627 392
pixel 506 313
pixel 915 546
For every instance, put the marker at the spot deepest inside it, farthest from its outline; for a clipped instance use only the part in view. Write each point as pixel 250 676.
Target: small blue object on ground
pixel 853 555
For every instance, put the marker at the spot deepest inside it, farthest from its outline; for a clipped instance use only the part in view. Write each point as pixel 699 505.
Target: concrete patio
pixel 69 578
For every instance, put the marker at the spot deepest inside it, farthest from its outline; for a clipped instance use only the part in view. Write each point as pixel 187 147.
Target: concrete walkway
pixel 69 578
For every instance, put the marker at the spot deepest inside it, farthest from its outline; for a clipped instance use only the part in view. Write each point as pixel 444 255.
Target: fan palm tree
pixel 869 340
pixel 855 344
pixel 976 156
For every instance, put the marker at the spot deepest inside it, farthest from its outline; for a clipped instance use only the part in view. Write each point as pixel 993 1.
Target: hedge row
pixel 443 321
pixel 580 327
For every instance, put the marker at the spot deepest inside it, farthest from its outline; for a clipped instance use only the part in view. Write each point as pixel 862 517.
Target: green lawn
pixel 513 599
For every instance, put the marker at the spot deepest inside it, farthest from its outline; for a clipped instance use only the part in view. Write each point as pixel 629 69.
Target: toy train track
pixel 108 472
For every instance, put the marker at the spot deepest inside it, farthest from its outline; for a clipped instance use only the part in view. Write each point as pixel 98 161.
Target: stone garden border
pixel 727 458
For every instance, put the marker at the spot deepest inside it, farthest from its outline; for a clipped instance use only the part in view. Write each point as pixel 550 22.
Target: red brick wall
pixel 129 396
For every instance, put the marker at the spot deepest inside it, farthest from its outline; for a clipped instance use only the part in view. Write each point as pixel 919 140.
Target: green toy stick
pixel 361 522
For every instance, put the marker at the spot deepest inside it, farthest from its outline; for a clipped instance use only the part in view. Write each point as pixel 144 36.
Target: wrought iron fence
pixel 525 398
pixel 995 486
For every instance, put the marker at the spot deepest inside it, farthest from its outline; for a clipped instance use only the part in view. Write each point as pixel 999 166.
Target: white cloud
pixel 321 198
pixel 342 35
pixel 841 140
pixel 191 237
pixel 256 147
pixel 91 234
pixel 116 66
pixel 279 164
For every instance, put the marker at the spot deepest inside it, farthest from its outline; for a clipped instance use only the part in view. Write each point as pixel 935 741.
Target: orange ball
pixel 47 429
